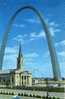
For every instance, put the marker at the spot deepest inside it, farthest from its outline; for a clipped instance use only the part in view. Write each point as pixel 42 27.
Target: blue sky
pixel 28 30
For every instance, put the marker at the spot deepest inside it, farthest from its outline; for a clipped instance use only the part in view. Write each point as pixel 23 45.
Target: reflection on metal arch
pixel 54 61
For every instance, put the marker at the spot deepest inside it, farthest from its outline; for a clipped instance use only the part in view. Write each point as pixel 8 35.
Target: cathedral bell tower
pixel 20 59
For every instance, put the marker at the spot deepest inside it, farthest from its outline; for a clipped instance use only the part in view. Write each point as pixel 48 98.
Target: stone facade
pixel 22 78
pixel 16 77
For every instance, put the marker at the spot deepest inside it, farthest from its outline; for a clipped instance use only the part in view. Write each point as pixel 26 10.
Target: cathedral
pixel 16 77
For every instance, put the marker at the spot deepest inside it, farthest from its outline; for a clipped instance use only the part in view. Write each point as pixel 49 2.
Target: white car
pixel 53 85
pixel 16 97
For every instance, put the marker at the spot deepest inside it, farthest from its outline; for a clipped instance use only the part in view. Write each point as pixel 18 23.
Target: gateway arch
pixel 53 56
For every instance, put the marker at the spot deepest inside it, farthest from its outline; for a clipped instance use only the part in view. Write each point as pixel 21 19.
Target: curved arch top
pixel 54 61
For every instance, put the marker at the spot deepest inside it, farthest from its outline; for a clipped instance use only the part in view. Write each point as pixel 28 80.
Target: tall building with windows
pixel 16 77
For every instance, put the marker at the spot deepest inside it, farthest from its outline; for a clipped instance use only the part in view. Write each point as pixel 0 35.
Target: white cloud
pixel 53 24
pixel 61 43
pixel 27 38
pixel 31 39
pixel 10 61
pixel 23 39
pixel 25 35
pixel 10 57
pixel 31 55
pixel 41 34
pixel 35 35
pixel 53 30
pixel 31 20
pixel 19 25
pixel 19 38
pixel 62 53
pixel 10 50
pixel 53 27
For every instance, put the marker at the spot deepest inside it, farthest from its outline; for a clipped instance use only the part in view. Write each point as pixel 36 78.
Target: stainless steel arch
pixel 54 61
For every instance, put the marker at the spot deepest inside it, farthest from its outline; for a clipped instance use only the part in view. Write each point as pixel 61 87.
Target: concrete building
pixel 43 82
pixel 38 82
pixel 16 77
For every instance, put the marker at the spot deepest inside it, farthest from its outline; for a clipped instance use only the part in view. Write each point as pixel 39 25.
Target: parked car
pixel 15 97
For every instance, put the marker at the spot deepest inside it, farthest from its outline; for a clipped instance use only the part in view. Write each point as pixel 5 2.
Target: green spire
pixel 20 58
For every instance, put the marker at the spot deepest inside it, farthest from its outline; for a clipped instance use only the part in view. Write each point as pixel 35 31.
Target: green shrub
pixel 54 98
